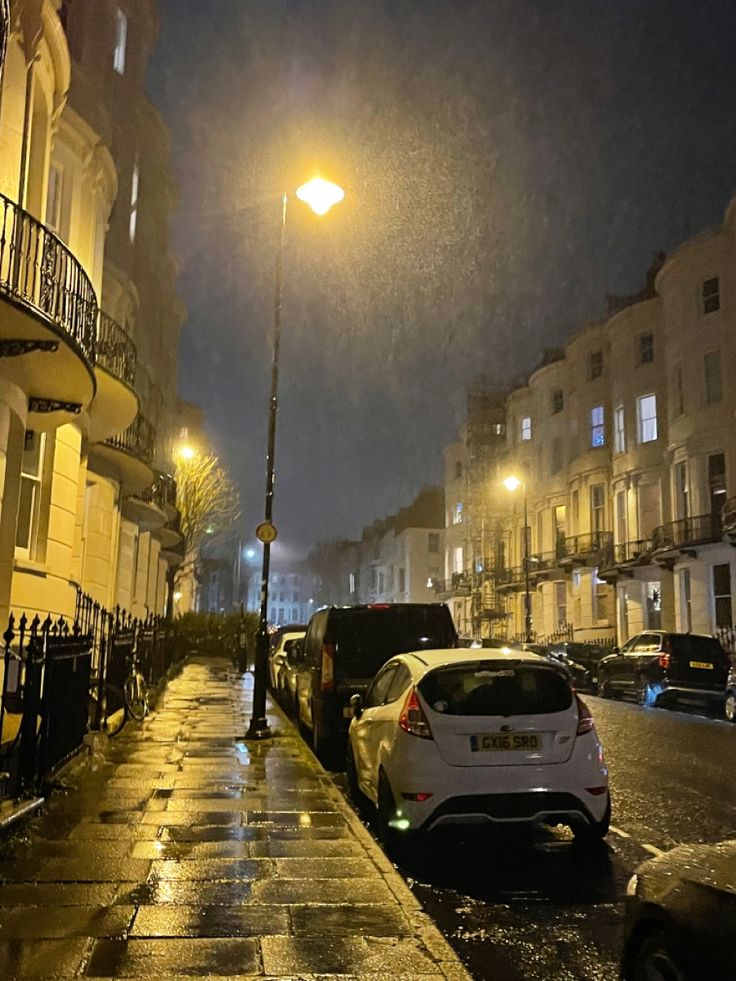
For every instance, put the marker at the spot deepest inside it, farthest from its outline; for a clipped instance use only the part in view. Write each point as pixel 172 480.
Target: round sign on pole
pixel 266 532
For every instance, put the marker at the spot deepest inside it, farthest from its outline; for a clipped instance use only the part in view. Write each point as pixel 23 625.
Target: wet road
pixel 534 907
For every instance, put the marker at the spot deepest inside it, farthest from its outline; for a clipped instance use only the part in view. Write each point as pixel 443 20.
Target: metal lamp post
pixel 513 483
pixel 320 195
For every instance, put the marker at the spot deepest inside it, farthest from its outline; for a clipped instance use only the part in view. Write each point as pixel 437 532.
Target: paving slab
pixel 184 851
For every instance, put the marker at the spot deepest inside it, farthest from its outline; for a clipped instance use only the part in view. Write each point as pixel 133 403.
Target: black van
pixel 343 649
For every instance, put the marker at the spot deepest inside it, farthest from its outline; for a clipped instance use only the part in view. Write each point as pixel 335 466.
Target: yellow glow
pixel 187 452
pixel 320 195
pixel 512 483
pixel 177 596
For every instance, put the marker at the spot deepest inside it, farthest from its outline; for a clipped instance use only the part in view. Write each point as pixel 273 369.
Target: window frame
pixel 710 299
pixel 619 429
pixel 557 401
pixel 642 421
pixel 595 364
pixel 597 427
pixel 525 429
pixel 646 348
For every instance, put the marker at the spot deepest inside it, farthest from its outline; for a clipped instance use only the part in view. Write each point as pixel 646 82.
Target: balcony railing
pixel 138 440
pixel 541 562
pixel 115 350
pixel 728 514
pixel 39 272
pixel 596 543
pixel 459 582
pixel 630 552
pixel 161 493
pixel 698 530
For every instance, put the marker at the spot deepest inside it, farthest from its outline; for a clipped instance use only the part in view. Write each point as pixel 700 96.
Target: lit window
pixel 526 428
pixel 457 559
pixel 646 410
pixel 712 367
pixel 457 514
pixel 121 41
pixel 619 430
pixel 558 401
pixel 710 296
pixel 597 426
pixel 54 198
pixel 29 503
pixel 134 183
pixel 646 348
pixel 499 429
pixel 596 364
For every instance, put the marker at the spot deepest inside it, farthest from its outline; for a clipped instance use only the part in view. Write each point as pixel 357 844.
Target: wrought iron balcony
pixel 39 273
pixel 161 493
pixel 458 584
pixel 698 530
pixel 510 578
pixel 115 350
pixel 597 545
pixel 541 563
pixel 138 440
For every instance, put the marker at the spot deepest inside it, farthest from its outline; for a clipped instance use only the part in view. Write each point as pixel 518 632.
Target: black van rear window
pixel 697 648
pixel 368 637
pixel 490 688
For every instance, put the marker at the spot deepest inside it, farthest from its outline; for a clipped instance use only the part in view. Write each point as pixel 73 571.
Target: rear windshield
pixel 689 646
pixel 488 688
pixel 365 639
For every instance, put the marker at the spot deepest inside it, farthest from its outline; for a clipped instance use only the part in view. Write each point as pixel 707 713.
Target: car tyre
pixel 659 955
pixel 603 687
pixel 729 706
pixel 644 693
pixel 590 834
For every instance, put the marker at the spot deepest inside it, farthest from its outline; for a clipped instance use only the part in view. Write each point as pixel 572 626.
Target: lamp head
pixel 320 195
pixel 512 483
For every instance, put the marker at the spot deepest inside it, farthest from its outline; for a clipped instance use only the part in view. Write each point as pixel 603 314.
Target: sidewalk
pixel 180 853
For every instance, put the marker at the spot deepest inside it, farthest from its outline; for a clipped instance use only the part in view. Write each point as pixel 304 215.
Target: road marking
pixel 653 850
pixel 619 832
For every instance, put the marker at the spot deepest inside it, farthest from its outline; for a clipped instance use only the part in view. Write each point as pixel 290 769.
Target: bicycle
pixel 119 703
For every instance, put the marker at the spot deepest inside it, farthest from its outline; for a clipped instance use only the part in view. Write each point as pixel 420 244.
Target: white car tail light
pixel 413 719
pixel 585 719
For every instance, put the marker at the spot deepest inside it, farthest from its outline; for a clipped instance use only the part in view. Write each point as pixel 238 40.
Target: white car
pixel 476 736
pixel 277 659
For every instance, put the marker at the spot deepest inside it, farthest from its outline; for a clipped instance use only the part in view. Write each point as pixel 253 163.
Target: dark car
pixel 729 703
pixel 681 916
pixel 344 648
pixel 587 656
pixel 661 668
pixel 579 675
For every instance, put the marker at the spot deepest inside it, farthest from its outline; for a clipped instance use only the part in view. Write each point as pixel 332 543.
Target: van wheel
pixel 590 834
pixel 603 687
pixel 659 955
pixel 729 706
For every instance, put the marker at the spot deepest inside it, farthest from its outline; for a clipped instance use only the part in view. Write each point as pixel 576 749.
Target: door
pixel 371 728
pixel 615 667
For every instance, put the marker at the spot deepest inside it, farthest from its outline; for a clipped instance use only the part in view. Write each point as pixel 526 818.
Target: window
pixel 646 410
pixel 595 364
pixel 499 429
pixel 646 348
pixel 679 399
pixel 556 456
pixel 526 428
pixel 558 401
pixel 29 502
pixel 351 582
pixel 54 199
pixel 682 490
pixel 654 605
pixel 121 41
pixel 457 559
pixel 597 426
pixel 402 581
pixel 433 544
pixel 722 594
pixel 597 507
pixel 134 183
pixel 619 430
pixel 458 469
pixel 712 368
pixel 295 597
pixel 457 514
pixel 576 510
pixel 381 581
pixel 601 595
pixel 621 516
pixel 686 601
pixel 717 482
pixel 561 603
pixel 710 296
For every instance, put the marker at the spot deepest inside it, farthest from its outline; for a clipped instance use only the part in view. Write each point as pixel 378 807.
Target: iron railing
pixel 161 493
pixel 727 637
pixel 728 514
pixel 459 582
pixel 597 543
pixel 628 553
pixel 138 440
pixel 698 530
pixel 115 350
pixel 39 272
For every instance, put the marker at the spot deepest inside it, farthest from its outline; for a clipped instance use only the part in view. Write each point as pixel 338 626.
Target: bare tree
pixel 206 497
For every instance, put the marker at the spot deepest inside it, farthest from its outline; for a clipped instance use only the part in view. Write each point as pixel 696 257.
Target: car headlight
pixel 632 884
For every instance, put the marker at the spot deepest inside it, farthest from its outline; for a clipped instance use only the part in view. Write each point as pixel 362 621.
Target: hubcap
pixel 731 707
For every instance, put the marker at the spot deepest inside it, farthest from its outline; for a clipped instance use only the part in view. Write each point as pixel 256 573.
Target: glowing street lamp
pixel 320 195
pixel 513 483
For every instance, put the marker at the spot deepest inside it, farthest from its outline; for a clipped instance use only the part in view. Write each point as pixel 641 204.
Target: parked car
pixel 277 658
pixel 587 655
pixel 343 649
pixel 293 657
pixel 287 628
pixel 729 702
pixel 681 916
pixel 578 673
pixel 477 736
pixel 662 668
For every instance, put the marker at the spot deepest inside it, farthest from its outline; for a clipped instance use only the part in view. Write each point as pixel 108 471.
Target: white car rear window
pixel 496 689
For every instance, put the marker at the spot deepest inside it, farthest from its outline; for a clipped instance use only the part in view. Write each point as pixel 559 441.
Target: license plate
pixel 347 712
pixel 505 741
pixel 706 665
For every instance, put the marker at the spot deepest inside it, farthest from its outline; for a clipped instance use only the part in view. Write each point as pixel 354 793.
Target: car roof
pixel 450 655
pixel 674 633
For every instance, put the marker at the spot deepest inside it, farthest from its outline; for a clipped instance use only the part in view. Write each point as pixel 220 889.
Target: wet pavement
pixel 179 850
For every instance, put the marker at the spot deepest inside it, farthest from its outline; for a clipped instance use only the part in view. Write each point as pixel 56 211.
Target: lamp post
pixel 320 195
pixel 513 483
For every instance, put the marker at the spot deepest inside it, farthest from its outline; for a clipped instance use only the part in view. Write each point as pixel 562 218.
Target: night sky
pixel 506 164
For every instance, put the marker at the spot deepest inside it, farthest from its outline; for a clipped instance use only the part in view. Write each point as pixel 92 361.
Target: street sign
pixel 266 532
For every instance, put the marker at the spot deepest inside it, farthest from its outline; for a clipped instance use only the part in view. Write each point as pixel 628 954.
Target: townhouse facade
pixel 89 318
pixel 622 445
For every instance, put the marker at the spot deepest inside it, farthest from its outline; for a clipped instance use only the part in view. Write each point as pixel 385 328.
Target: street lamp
pixel 513 483
pixel 320 195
